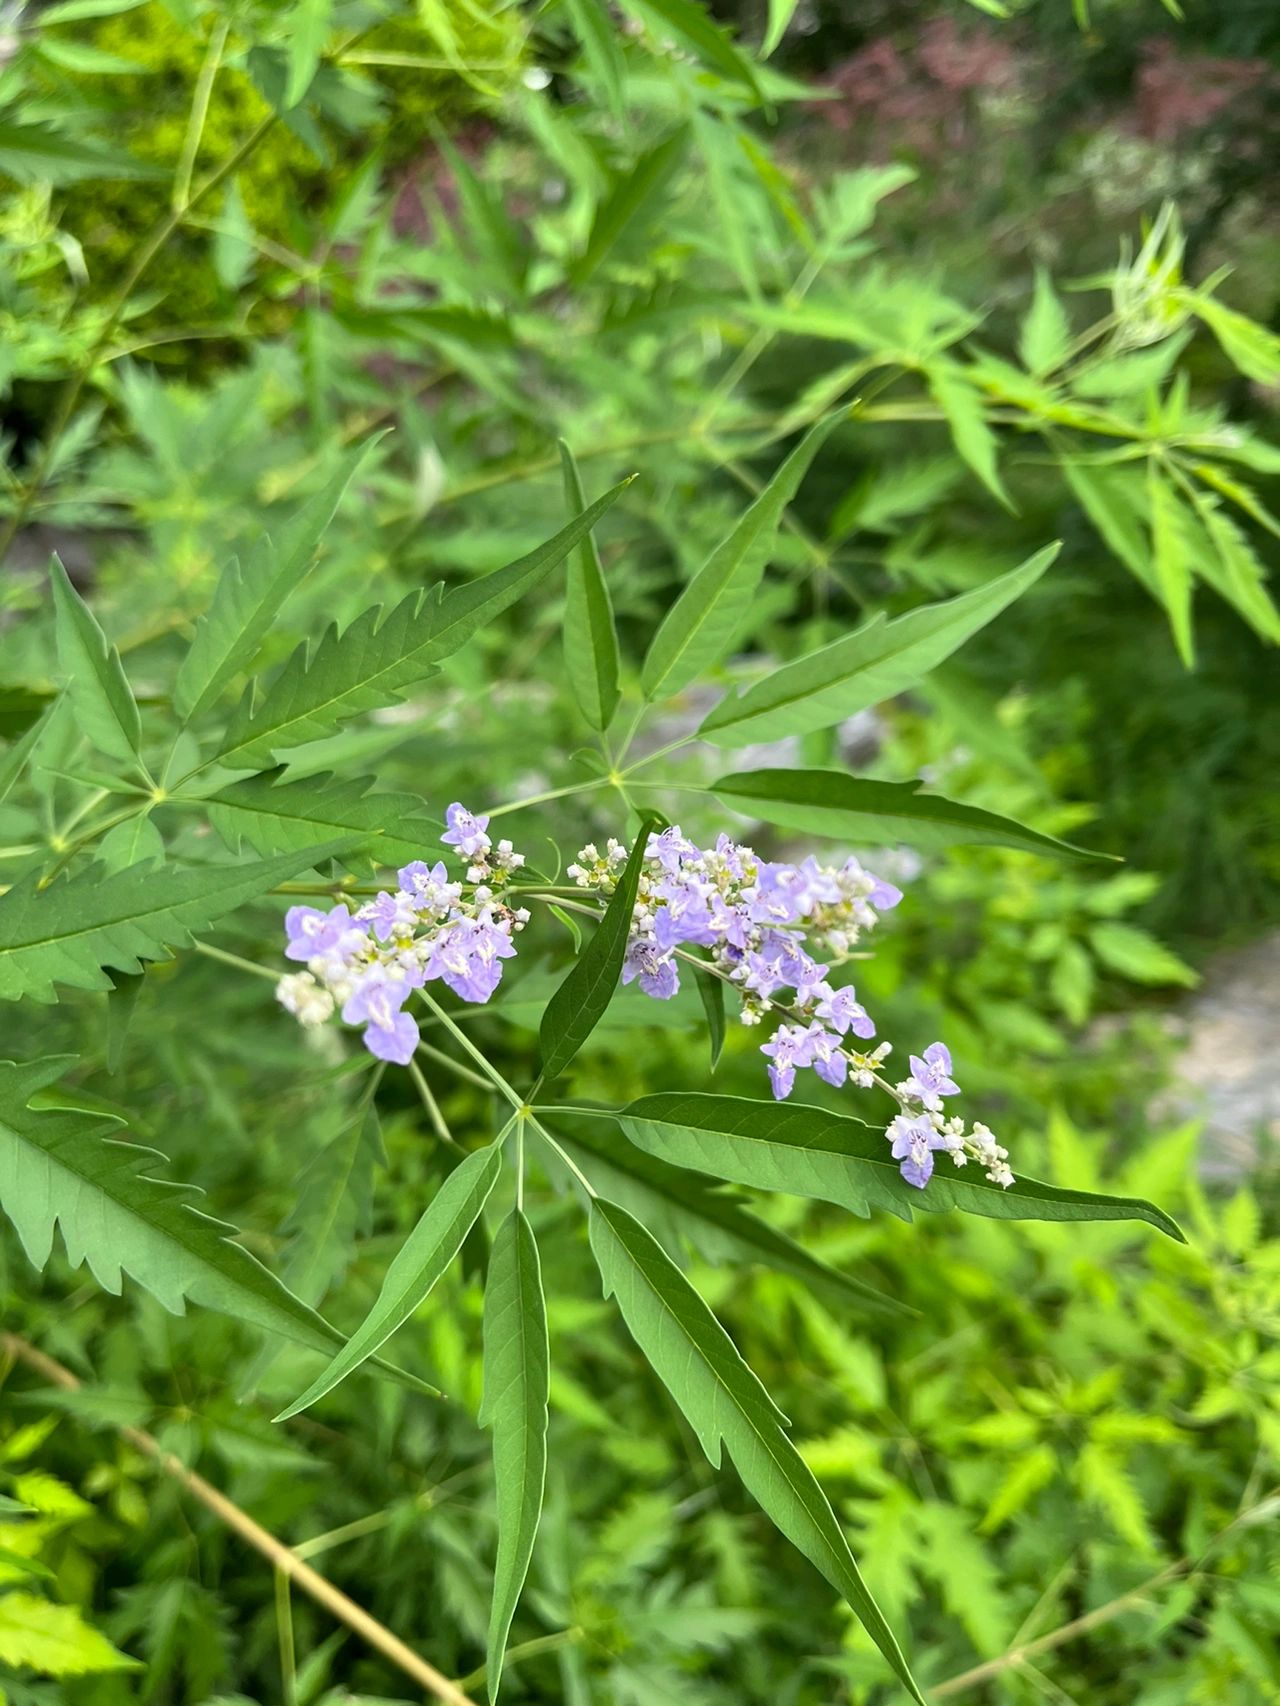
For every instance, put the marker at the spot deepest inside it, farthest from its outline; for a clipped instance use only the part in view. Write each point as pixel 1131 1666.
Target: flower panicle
pixel 760 924
pixel 368 963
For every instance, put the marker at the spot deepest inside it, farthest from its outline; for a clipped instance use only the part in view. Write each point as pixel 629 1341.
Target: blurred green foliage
pixel 1072 1450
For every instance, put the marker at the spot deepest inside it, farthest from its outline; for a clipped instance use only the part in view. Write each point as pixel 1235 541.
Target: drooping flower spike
pixel 760 925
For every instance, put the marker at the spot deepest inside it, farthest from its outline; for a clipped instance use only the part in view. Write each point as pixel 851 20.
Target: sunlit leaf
pixel 707 617
pixel 874 663
pixel 69 932
pixel 379 655
pixel 247 600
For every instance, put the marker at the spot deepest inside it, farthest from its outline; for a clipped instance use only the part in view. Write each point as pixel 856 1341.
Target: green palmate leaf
pixel 15 759
pixel 1045 334
pixel 725 1404
pixel 808 1152
pixel 36 153
pixel 634 198
pixel 247 600
pixel 590 640
pixel 369 664
pixel 333 1205
pixel 781 13
pixel 53 1640
pixel 67 1170
pixel 67 933
pixel 136 841
pixel 575 1009
pixel 122 1002
pixel 707 617
pixel 691 23
pixel 516 1379
pixel 1174 558
pixel 1115 501
pixel 1135 954
pixel 871 664
pixel 1233 569
pixel 831 802
pixel 1250 347
pixel 105 710
pixel 494 236
pixel 421 1261
pixel 677 1205
pixel 275 815
pixel 973 438
pixel 598 35
pixel 723 160
pixel 308 25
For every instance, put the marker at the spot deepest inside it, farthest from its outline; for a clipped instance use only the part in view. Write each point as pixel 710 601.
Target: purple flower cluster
pixel 756 923
pixel 369 962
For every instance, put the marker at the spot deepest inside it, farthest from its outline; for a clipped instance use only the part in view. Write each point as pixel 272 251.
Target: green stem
pixel 550 794
pixel 199 113
pixel 459 1036
pixel 454 1066
pixel 212 953
pixel 439 1124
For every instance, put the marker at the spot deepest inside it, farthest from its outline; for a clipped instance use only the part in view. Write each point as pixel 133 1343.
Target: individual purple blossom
pixel 686 917
pixel 871 888
pixel 882 894
pixel 467 955
pixel 794 968
pixel 394 1042
pixel 391 915
pixel 913 1141
pixel 466 832
pixel 428 886
pixel 381 993
pixel 311 932
pixel 828 1058
pixel 931 1078
pixel 790 1046
pixel 760 974
pixel 845 1013
pixel 655 970
pixel 780 894
pixel 670 847
pixel 733 856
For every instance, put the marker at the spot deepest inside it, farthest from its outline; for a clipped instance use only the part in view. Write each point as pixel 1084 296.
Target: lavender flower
pixel 312 933
pixel 931 1078
pixel 369 964
pixel 466 832
pixel 912 1142
pixel 756 922
pixel 790 1046
pixel 466 955
pixel 654 970
pixel 844 1013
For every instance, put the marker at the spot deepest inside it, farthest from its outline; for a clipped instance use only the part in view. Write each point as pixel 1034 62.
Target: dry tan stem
pixel 253 1534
